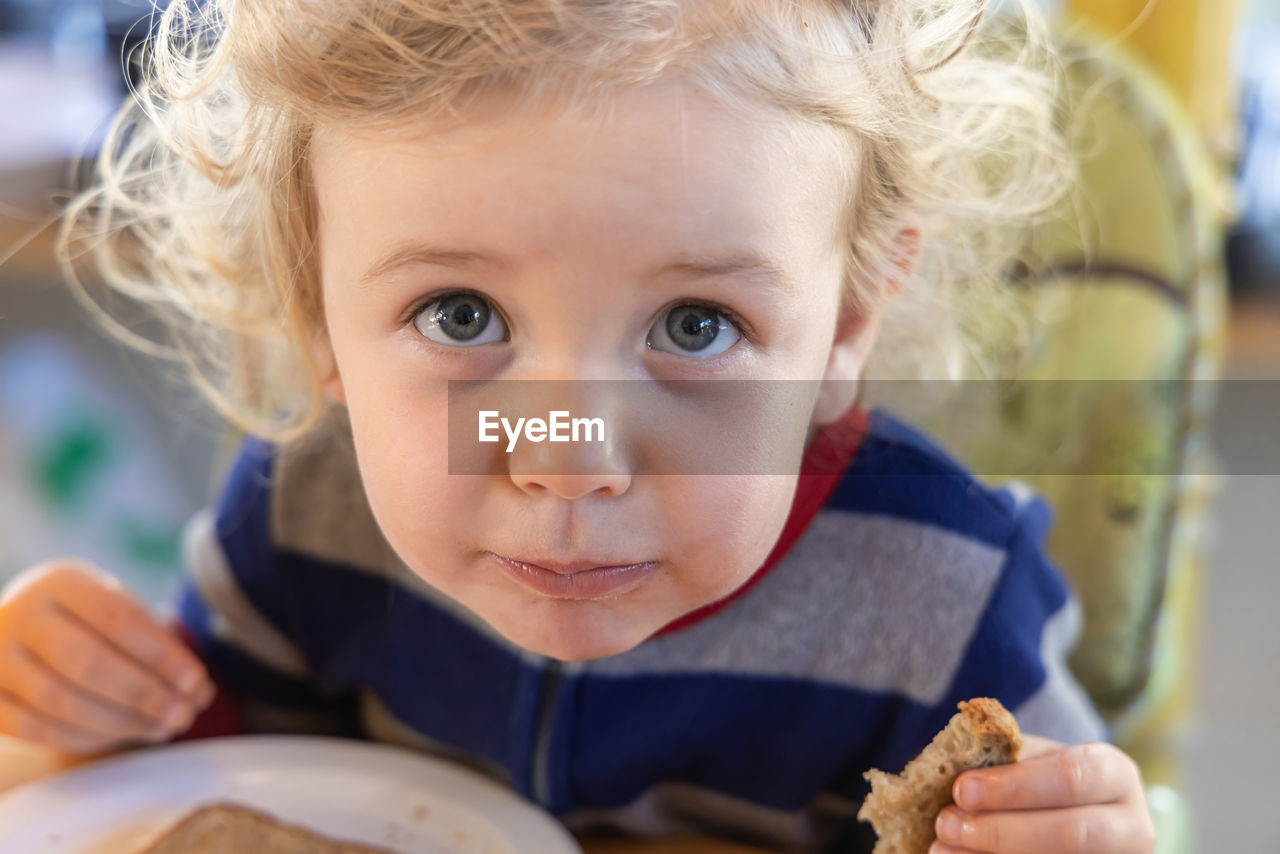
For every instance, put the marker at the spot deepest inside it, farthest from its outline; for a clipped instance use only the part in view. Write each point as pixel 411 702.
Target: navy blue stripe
pixel 243 674
pixel 433 671
pixel 565 731
pixel 775 742
pixel 898 472
pixel 242 524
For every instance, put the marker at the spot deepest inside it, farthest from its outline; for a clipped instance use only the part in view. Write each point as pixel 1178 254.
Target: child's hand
pixel 1086 799
pixel 85 668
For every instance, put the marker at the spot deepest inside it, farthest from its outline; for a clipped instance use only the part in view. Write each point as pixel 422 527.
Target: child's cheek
pixel 727 525
pixel 404 471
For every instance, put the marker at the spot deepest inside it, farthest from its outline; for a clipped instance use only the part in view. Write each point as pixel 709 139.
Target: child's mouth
pixel 584 579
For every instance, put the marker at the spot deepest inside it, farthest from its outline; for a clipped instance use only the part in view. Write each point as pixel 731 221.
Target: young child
pixel 341 207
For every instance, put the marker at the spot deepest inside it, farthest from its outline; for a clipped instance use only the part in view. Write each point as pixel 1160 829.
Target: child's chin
pixel 570 639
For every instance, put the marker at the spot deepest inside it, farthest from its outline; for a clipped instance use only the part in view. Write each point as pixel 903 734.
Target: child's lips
pixel 579 579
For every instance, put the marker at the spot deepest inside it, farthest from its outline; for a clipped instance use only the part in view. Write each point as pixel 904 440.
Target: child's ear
pixel 855 335
pixel 857 329
pixel 333 388
pixel 327 368
pixel 908 244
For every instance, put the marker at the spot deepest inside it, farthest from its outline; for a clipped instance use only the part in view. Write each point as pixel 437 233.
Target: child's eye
pixel 693 330
pixel 461 320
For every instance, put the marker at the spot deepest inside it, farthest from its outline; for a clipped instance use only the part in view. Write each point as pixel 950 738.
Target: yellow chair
pixel 1187 43
pixel 1108 416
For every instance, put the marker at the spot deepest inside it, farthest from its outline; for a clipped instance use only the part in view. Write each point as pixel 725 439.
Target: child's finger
pixel 942 848
pixel 126 623
pixel 1069 777
pixel 47 694
pixel 22 722
pixel 1035 745
pixel 1098 829
pixel 86 660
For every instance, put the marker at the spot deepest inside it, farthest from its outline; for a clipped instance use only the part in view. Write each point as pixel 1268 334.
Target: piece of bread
pixel 903 807
pixel 231 829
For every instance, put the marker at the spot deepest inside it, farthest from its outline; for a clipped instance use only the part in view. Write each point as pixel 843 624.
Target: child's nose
pixel 584 450
pixel 571 469
pixel 571 486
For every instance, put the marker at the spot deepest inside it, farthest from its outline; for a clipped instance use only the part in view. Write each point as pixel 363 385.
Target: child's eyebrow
pixel 748 265
pixel 407 256
pixel 742 264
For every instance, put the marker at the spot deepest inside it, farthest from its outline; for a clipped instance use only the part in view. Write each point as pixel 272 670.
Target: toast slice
pixel 903 807
pixel 231 829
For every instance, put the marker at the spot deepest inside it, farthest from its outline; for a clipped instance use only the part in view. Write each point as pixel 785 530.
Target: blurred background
pixel 102 454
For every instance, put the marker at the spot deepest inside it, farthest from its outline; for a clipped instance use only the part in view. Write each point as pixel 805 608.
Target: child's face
pixel 580 212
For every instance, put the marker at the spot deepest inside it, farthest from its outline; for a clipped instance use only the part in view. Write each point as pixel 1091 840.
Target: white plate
pixel 355 791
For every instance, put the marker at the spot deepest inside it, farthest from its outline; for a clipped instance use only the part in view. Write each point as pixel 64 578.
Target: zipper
pixel 540 784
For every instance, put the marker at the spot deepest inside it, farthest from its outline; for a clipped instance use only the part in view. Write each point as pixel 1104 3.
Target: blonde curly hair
pixel 203 212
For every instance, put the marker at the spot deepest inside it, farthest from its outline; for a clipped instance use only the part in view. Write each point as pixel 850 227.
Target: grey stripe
pixel 839 609
pixel 318 505
pixel 1061 709
pixel 235 621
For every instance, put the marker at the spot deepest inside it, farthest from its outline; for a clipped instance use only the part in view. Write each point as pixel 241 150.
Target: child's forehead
pixel 500 114
pixel 671 134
